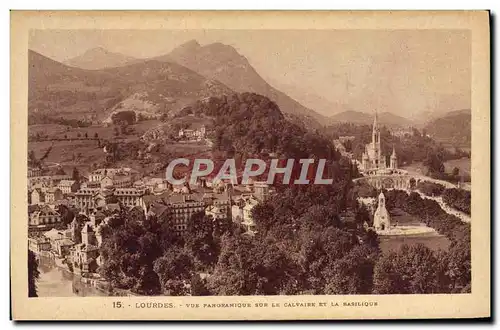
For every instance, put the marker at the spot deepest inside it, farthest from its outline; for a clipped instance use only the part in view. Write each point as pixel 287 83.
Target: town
pixel 188 173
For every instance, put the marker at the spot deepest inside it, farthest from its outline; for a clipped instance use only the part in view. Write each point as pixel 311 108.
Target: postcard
pixel 264 165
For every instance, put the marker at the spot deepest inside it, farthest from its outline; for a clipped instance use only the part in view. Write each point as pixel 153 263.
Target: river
pixel 57 282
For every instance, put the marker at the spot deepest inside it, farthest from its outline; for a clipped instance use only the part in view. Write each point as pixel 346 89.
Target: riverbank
pixel 56 280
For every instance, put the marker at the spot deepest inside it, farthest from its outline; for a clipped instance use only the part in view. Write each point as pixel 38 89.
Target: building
pixel 52 195
pixel 394 160
pixel 122 180
pixel 180 208
pixel 45 216
pixel 60 241
pixel 242 213
pixel 37 196
pixel 39 244
pixel 84 255
pixel 381 218
pixel 68 186
pixel 34 171
pixel 48 180
pixel 91 198
pixel 106 182
pixel 193 134
pixel 215 212
pixel 261 190
pixel 372 158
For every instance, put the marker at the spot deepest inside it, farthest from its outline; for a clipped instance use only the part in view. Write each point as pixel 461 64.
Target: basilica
pixel 372 158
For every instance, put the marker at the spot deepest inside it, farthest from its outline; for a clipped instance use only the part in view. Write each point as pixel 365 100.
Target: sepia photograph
pixel 251 162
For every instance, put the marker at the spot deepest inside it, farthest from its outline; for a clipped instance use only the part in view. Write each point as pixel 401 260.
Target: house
pixel 122 180
pixel 242 213
pixel 52 195
pixel 181 207
pixel 90 198
pixel 60 241
pixel 34 171
pixel 106 182
pixel 215 212
pixel 45 216
pixel 84 255
pixel 197 134
pixel 68 186
pixel 37 196
pixel 39 244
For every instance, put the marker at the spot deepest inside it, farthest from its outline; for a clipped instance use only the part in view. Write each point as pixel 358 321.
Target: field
pixel 69 154
pixel 55 131
pixel 70 148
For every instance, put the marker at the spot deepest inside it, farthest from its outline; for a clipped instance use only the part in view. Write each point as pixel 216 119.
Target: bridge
pixel 398 179
pixel 403 180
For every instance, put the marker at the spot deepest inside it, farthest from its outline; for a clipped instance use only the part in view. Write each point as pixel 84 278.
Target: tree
pixel 200 241
pixel 67 215
pixel 32 160
pixel 33 274
pixel 353 273
pixel 78 135
pixel 320 250
pixel 199 286
pixel 129 249
pixel 86 135
pixel 455 171
pixel 75 175
pixel 362 216
pixel 253 267
pixel 123 117
pixel 410 270
pixel 434 163
pixel 96 136
pixel 174 269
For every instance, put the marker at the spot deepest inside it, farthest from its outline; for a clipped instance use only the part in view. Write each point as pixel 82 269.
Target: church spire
pixel 375 121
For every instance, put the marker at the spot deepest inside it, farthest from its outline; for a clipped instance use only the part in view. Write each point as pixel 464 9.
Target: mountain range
pixel 357 117
pixel 99 58
pixel 99 82
pixel 148 86
pixel 223 63
pixel 454 128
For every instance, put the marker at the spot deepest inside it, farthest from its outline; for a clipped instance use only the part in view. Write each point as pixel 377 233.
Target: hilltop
pixel 223 63
pixel 361 118
pixel 454 128
pixel 99 58
pixel 150 86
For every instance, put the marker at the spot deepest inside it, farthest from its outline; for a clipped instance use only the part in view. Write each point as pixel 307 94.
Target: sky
pixel 406 72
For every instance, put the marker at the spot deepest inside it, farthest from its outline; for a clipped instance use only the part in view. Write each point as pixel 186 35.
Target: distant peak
pixel 191 44
pixel 97 50
pixel 220 46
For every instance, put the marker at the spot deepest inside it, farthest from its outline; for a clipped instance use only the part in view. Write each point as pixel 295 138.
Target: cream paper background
pixel 476 304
